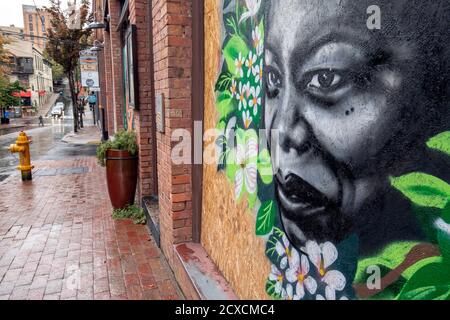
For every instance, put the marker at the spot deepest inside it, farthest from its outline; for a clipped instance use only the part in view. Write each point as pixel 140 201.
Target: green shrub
pixel 132 212
pixel 123 140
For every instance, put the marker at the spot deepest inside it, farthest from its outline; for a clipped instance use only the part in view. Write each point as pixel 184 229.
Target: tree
pixel 57 69
pixel 7 90
pixel 4 56
pixel 66 40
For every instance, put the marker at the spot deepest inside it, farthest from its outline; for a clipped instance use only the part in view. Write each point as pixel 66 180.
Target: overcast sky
pixel 11 11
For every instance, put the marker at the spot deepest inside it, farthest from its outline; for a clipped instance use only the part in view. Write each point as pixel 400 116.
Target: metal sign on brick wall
pixel 159 112
pixel 89 69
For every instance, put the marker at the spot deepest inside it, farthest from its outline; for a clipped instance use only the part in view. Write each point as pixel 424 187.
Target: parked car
pixel 57 111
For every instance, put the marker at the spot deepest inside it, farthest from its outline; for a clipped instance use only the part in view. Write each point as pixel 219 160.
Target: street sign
pixel 89 69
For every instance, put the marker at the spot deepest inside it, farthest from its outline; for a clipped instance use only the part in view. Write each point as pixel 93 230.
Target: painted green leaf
pixel 408 273
pixel 225 104
pixel 270 289
pixel 265 167
pixel 251 198
pixel 435 275
pixel 224 82
pixel 390 257
pixel 271 252
pixel 423 189
pixel 261 29
pixel 231 51
pixel 221 125
pixel 444 245
pixel 231 165
pixel 443 234
pixel 266 218
pixel 440 142
pixel 428 293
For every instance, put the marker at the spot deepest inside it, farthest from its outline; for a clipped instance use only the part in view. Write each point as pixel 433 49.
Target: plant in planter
pixel 120 158
pixel 133 212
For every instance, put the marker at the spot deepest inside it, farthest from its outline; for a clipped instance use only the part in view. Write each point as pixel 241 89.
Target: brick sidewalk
pixel 58 240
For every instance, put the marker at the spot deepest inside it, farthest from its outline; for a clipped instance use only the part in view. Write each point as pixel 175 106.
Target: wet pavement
pixel 46 145
pixel 58 240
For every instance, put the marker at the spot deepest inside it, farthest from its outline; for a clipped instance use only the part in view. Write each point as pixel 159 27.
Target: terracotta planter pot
pixel 121 176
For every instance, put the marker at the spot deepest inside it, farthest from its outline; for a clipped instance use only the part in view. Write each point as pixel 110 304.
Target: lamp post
pixel 96 25
pixel 97 48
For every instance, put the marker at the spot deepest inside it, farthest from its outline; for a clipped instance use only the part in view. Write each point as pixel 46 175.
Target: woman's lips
pixel 299 197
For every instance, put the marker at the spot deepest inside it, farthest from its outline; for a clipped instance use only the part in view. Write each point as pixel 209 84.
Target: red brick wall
pixel 171 66
pixel 144 116
pixel 172 29
pixel 112 85
pixel 108 88
pixel 116 63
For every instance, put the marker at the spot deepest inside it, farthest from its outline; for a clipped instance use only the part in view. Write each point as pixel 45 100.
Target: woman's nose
pixel 294 130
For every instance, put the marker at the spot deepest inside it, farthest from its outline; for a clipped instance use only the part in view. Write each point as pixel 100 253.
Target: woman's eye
pixel 274 83
pixel 325 80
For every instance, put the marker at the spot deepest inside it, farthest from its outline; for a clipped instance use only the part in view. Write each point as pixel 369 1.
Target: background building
pixel 30 68
pixel 36 22
pixel 12 32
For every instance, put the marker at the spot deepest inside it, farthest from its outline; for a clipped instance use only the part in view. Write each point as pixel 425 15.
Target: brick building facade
pixel 36 22
pixel 163 70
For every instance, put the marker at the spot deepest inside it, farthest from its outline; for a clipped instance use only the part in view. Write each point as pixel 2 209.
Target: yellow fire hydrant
pixel 22 147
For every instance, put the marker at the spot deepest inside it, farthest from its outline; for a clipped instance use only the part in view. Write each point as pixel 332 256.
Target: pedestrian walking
pixel 41 121
pixel 92 99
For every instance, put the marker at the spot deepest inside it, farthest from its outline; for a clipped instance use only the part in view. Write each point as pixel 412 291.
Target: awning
pixel 22 94
pixel 41 93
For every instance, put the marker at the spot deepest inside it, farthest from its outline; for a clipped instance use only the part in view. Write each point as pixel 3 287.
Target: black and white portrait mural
pixel 335 121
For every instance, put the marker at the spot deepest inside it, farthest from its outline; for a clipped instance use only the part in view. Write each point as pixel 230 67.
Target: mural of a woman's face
pixel 344 101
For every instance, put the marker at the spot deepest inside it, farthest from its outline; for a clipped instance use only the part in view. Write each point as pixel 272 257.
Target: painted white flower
pixel 277 275
pixel 253 8
pixel 330 294
pixel 288 294
pixel 257 41
pixel 255 101
pixel 247 172
pixel 247 90
pixel 284 250
pixel 250 63
pixel 239 63
pixel 297 274
pixel 233 88
pixel 258 72
pixel 322 257
pixel 242 96
pixel 247 118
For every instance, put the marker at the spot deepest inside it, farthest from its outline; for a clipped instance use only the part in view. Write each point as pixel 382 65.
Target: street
pixel 47 144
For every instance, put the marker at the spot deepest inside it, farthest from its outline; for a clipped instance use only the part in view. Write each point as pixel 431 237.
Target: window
pixel 131 67
pixel 43 24
pixel 31 26
pixel 122 4
pixel 30 18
